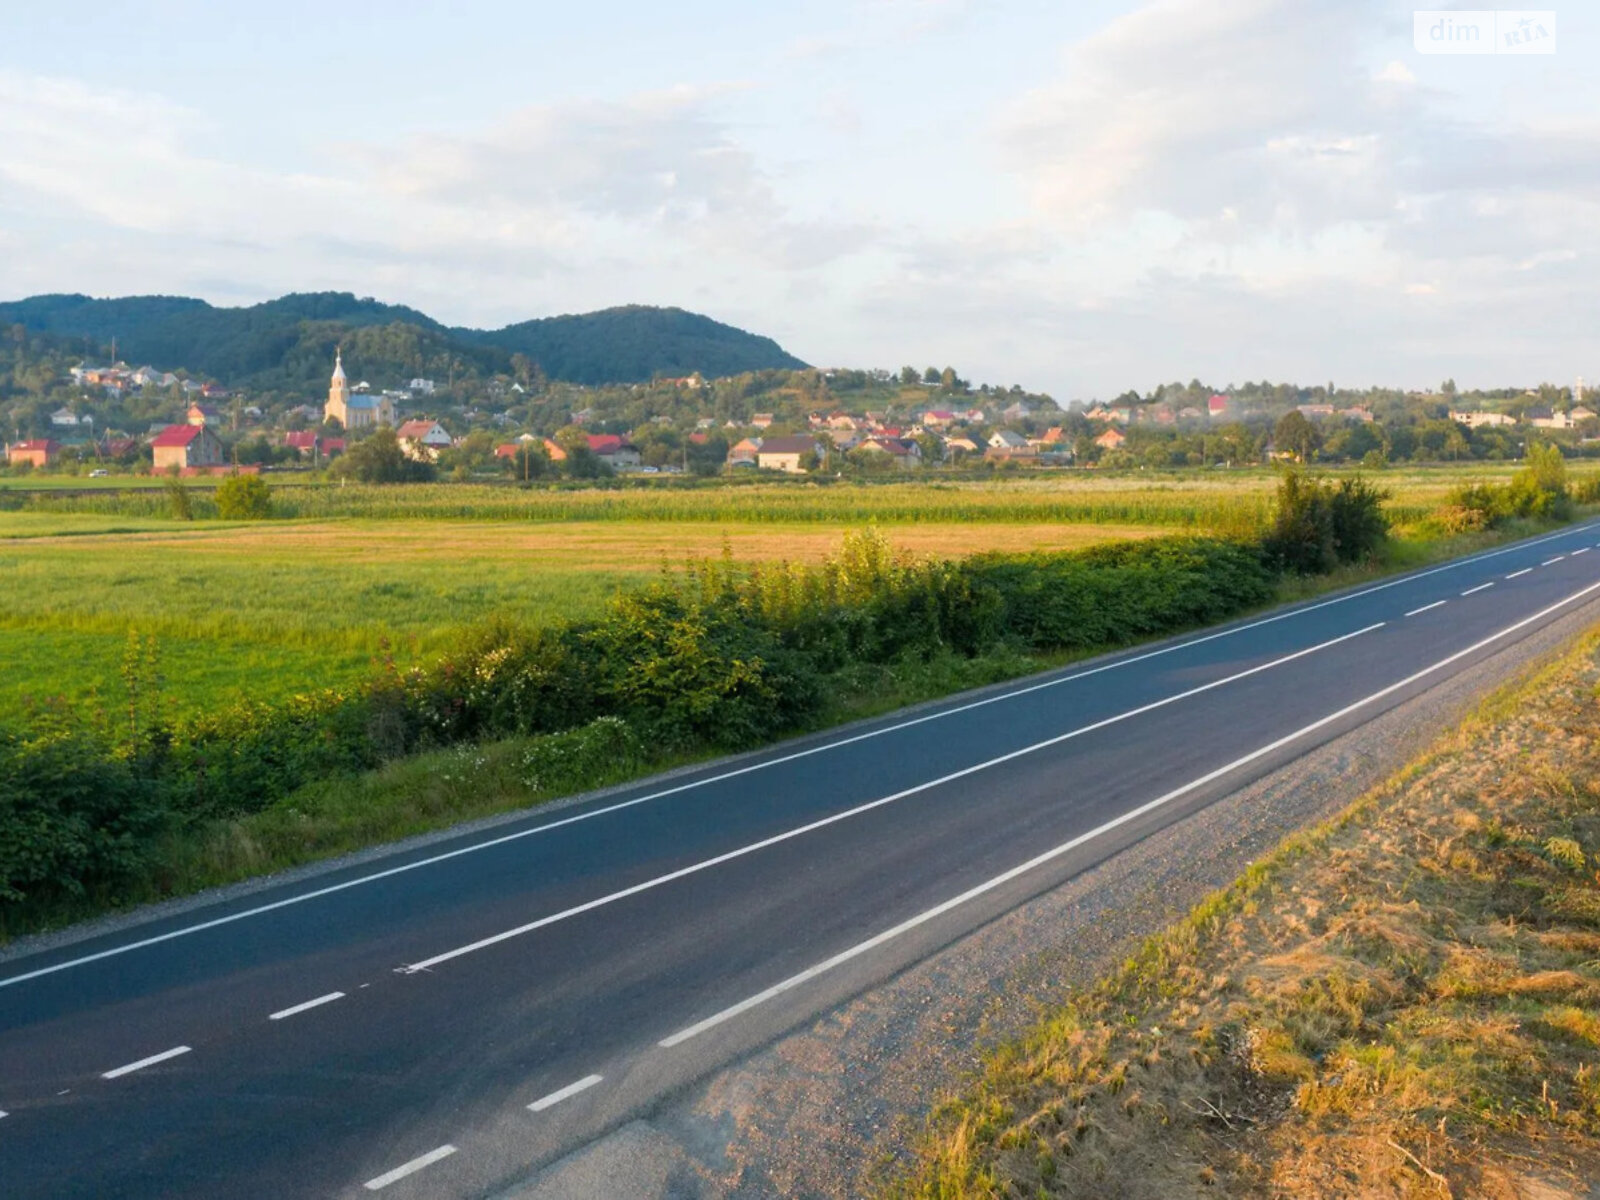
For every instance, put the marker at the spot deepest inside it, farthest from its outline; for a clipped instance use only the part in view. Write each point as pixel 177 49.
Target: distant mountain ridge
pixel 287 342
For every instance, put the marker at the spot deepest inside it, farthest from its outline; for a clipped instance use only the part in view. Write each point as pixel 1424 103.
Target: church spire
pixel 338 365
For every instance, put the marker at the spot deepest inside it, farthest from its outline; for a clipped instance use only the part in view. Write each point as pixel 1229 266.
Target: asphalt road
pixel 440 1022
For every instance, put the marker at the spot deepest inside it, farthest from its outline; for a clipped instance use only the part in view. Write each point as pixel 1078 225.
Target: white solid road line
pixel 146 1062
pixel 1550 562
pixel 566 1093
pixel 775 839
pixel 1479 588
pixel 1518 574
pixel 362 880
pixel 300 1008
pixel 1006 877
pixel 410 1168
pixel 1426 607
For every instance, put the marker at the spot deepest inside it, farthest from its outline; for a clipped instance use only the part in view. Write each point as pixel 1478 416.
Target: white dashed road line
pixel 300 1008
pixel 1479 588
pixel 1580 550
pixel 1524 571
pixel 1426 607
pixel 1550 562
pixel 410 1168
pixel 146 1062
pixel 566 1093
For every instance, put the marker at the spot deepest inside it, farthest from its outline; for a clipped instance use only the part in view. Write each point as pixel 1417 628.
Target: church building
pixel 355 411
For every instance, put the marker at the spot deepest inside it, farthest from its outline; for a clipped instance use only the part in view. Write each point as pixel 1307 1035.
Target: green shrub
pixel 74 813
pixel 243 498
pixel 1539 490
pixel 607 748
pixel 179 502
pixel 1320 525
pixel 695 673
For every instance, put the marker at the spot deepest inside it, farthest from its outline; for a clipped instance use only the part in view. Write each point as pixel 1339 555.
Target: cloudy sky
pixel 1080 197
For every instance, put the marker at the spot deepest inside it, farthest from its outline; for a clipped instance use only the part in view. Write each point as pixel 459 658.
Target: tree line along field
pixel 355 575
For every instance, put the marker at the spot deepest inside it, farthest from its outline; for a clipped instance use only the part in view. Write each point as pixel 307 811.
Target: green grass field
pixel 274 608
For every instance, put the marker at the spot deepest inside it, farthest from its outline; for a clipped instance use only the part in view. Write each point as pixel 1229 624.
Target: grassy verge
pixel 1404 1001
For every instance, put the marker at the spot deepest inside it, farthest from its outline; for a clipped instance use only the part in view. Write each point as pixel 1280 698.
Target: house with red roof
pixel 422 439
pixel 303 441
pixel 186 446
pixel 37 452
pixel 616 452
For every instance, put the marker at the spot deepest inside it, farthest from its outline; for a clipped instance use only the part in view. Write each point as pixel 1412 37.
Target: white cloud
pixel 618 200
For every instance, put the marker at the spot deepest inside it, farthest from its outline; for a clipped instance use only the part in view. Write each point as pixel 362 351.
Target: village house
pixel 1007 440
pixel 37 453
pixel 938 418
pixel 761 420
pixel 1006 444
pixel 1218 406
pixel 64 418
pixel 186 446
pixel 904 454
pixel 616 452
pixel 744 452
pixel 787 454
pixel 1480 420
pixel 1561 420
pixel 202 414
pixel 960 445
pixel 1111 439
pixel 304 443
pixel 423 439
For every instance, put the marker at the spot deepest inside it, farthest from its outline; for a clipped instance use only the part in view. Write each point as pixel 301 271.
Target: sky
pixel 1077 196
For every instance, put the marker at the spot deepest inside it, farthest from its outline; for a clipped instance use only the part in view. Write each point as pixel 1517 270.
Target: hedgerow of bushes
pixel 713 657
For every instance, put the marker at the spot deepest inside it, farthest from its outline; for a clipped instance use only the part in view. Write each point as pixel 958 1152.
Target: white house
pixel 1005 439
pixel 424 439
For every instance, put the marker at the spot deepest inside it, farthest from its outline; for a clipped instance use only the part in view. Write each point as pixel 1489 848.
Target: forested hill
pixel 624 345
pixel 288 342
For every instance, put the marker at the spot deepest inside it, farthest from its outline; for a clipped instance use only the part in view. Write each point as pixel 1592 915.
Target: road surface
pixel 442 1021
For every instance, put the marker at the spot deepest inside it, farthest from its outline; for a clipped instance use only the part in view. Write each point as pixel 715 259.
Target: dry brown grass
pixel 1405 1002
